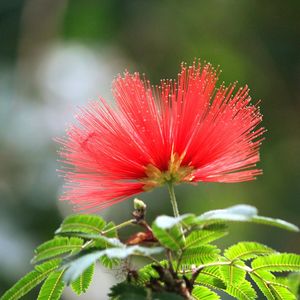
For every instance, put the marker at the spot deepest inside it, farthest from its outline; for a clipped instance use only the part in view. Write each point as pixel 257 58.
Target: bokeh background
pixel 57 54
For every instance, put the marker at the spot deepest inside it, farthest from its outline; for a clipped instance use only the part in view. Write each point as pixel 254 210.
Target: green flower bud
pixel 139 204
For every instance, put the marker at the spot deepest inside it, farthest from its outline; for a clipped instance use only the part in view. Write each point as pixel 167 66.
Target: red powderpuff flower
pixel 181 131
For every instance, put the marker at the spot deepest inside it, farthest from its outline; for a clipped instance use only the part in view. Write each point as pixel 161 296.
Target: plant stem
pixel 174 205
pixel 124 224
pixel 173 199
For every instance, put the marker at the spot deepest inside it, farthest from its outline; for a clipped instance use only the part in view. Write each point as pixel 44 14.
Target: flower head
pixel 181 131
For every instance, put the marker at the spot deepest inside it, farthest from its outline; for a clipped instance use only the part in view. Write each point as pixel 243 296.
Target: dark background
pixel 57 54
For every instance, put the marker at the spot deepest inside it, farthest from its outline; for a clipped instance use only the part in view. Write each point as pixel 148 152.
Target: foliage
pixel 184 262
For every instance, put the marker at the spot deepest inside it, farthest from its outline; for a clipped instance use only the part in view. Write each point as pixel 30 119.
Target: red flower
pixel 182 131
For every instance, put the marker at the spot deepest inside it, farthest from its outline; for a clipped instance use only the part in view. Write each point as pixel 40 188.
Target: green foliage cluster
pixel 184 264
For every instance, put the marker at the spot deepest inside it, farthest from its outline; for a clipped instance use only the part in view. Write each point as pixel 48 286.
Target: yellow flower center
pixel 175 173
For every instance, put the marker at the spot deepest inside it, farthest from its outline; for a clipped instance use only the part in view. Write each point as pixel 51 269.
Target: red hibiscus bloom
pixel 181 131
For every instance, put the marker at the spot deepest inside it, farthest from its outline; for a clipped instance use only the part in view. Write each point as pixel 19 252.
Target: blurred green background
pixel 57 54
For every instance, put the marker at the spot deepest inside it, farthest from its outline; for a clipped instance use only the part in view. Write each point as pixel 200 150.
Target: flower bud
pixel 139 204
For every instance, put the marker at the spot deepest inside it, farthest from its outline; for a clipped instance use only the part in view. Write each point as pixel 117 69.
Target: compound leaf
pixel 242 291
pixel 109 262
pixel 275 222
pixel 82 283
pixel 282 292
pixel 239 212
pixel 283 262
pixel 200 255
pixel 242 213
pixel 82 223
pixel 262 280
pixel 204 293
pixel 231 274
pixel 205 235
pixel 57 246
pixel 29 281
pixel 80 263
pixel 247 250
pixel 171 238
pixel 212 278
pixel 53 286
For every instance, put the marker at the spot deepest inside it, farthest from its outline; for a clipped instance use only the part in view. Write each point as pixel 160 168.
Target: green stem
pixel 124 224
pixel 174 204
pixel 173 199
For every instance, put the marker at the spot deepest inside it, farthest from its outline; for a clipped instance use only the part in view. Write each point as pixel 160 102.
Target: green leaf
pixel 293 282
pixel 284 262
pixel 242 213
pixel 211 277
pixel 281 292
pixel 275 222
pixel 147 272
pixel 57 246
pixel 270 287
pixel 231 274
pixel 126 291
pixel 29 281
pixel 101 241
pixel 263 281
pixel 247 250
pixel 171 238
pixel 82 223
pixel 109 262
pixel 82 283
pixel 204 293
pixel 200 255
pixel 211 282
pixel 110 229
pixel 239 212
pixel 81 262
pixel 53 287
pixel 166 222
pixel 206 235
pixel 242 291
